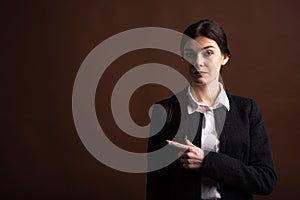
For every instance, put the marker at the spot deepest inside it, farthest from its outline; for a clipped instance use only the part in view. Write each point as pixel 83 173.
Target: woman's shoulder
pixel 240 100
pixel 243 104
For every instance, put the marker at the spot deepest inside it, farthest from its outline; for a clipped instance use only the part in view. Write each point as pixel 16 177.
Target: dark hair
pixel 209 29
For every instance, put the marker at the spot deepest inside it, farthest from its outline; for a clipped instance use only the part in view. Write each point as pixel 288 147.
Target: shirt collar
pixel 193 104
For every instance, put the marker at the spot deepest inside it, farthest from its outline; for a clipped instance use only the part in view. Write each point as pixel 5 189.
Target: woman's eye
pixel 188 55
pixel 208 53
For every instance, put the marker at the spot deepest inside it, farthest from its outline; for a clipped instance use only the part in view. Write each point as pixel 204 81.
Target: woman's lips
pixel 199 73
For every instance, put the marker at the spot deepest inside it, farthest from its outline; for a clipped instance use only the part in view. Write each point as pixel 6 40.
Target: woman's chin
pixel 199 81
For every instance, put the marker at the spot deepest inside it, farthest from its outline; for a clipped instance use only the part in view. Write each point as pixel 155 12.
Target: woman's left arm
pixel 258 176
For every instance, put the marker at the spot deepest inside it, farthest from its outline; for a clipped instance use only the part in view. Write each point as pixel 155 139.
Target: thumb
pixel 188 142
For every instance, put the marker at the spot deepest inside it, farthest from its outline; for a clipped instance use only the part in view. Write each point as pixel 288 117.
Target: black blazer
pixel 243 166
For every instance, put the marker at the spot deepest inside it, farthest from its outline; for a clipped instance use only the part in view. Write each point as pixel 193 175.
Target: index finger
pixel 178 145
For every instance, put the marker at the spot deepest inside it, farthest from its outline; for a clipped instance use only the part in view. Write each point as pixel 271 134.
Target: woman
pixel 228 154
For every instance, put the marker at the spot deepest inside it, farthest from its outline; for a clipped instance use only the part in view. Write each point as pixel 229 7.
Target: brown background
pixel 43 44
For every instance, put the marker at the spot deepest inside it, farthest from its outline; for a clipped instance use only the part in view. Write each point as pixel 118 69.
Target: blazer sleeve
pixel 157 186
pixel 258 175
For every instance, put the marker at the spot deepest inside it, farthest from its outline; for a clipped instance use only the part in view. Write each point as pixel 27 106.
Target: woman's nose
pixel 199 61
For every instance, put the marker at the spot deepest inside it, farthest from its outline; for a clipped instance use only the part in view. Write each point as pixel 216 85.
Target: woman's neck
pixel 206 94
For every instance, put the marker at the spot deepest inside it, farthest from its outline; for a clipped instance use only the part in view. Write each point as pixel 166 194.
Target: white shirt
pixel 209 138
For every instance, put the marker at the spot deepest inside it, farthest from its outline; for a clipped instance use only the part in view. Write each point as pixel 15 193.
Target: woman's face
pixel 204 59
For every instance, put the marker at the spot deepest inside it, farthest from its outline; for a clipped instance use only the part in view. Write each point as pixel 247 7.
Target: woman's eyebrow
pixel 207 47
pixel 188 49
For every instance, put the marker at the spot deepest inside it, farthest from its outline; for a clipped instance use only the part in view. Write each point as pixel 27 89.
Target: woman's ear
pixel 225 59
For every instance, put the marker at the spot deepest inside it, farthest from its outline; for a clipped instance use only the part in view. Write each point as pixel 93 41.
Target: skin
pixel 193 156
pixel 204 60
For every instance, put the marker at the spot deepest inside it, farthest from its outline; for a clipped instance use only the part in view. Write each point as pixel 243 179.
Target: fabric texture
pixel 242 167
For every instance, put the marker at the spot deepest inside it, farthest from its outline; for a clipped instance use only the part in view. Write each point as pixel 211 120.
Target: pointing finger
pixel 178 145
